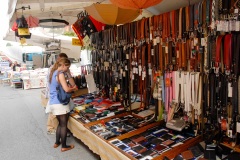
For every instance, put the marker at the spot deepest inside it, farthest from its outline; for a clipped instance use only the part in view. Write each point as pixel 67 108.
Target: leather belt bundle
pixel 180 59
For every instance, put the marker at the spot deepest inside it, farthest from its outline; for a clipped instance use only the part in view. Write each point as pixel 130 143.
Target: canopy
pixel 135 4
pixel 111 14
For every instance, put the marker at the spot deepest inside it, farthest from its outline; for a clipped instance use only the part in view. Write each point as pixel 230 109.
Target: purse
pixel 62 95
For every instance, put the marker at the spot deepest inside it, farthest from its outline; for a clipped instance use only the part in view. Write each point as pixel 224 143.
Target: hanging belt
pixel 187 13
pixel 184 58
pixel 196 14
pixel 191 15
pixel 180 24
pixel 212 98
pixel 218 53
pixel 166 26
pixel 173 24
pixel 227 53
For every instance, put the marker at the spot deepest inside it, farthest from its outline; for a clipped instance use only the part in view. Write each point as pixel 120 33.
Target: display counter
pixel 95 143
pixel 107 151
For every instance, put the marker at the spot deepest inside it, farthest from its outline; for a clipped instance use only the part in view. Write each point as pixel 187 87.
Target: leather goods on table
pixel 187 155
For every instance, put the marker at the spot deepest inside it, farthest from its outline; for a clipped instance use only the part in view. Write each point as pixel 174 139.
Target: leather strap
pixel 227 53
pixel 184 58
pixel 180 24
pixel 191 15
pixel 173 25
pixel 161 58
pixel 166 26
pixel 187 13
pixel 218 52
pixel 196 16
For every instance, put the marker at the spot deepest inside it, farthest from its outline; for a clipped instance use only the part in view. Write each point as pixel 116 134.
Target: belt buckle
pixel 227 72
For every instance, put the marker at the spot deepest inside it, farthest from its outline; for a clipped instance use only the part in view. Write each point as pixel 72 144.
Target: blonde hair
pixel 60 62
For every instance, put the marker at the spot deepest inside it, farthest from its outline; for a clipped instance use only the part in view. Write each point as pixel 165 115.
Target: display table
pixel 95 143
pixel 108 151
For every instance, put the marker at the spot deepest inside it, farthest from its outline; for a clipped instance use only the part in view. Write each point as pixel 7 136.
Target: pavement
pixel 23 133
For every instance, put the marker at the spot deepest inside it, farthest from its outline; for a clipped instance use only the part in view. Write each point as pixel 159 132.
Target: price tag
pixel 238 127
pixel 230 90
pixel 166 49
pixel 126 67
pixel 219 25
pixel 237 26
pixel 232 26
pixel 127 56
pixel 143 75
pixel 152 52
pixel 158 39
pixel 106 64
pixel 226 26
pixel 121 71
pixel 139 70
pixel 115 89
pixel 149 71
pixel 203 42
pixel 154 41
pixel 195 41
pixel 229 134
pixel 236 11
pixel 150 36
pixel 118 86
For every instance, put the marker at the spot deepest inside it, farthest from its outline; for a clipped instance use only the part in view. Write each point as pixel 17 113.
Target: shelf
pixel 229 145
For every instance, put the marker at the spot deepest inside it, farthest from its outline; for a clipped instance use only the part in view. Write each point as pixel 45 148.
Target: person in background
pixel 56 78
pixel 14 65
pixel 52 121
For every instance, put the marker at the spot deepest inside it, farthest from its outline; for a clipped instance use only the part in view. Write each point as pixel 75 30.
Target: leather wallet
pixel 139 149
pixel 166 136
pixel 168 142
pixel 160 147
pixel 149 153
pixel 139 139
pixel 156 141
pixel 187 155
pixel 197 150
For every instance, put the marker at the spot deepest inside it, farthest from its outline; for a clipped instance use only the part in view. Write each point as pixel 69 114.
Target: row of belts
pixel 162 44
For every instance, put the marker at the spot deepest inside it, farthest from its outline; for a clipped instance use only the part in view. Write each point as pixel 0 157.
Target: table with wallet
pixel 114 132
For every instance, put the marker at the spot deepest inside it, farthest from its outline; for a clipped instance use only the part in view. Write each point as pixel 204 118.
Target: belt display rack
pixel 185 63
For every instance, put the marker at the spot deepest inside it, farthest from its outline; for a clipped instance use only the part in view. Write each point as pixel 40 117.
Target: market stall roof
pixel 68 9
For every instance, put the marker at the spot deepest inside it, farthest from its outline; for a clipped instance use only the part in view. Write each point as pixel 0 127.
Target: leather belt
pixel 173 24
pixel 218 53
pixel 166 26
pixel 180 24
pixel 227 53
pixel 187 11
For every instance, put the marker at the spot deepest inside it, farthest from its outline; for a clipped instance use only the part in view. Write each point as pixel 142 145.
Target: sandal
pixel 68 148
pixel 56 145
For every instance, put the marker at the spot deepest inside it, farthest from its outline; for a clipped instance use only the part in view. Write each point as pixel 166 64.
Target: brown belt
pixel 173 25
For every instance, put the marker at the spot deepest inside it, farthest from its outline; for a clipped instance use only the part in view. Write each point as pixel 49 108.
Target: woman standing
pixel 61 111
